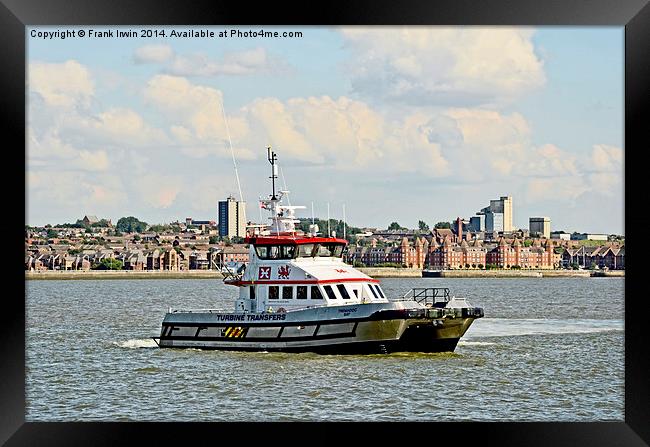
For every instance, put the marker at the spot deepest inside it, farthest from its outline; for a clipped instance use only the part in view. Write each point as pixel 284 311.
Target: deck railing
pixel 427 295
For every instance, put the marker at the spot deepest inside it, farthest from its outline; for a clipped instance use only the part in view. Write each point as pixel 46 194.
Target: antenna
pixel 328 220
pixel 344 221
pixel 312 213
pixel 232 152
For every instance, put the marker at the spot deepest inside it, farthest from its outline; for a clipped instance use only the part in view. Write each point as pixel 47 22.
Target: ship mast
pixel 274 169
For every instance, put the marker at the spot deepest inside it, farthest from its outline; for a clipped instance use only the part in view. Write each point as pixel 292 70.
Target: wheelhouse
pixel 285 248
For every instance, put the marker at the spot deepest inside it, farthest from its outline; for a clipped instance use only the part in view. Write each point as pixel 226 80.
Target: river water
pixel 548 349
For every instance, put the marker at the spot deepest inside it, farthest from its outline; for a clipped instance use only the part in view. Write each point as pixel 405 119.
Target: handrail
pixel 229 275
pixel 427 295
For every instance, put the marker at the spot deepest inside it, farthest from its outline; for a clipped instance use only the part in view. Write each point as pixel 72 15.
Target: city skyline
pixel 429 122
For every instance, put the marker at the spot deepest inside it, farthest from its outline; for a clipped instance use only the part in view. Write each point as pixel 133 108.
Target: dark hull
pixel 369 337
pixel 367 347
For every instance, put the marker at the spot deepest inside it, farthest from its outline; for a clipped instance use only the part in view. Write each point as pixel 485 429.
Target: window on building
pixel 329 292
pixel 315 293
pixel 301 292
pixel 343 291
pixel 274 292
pixel 287 292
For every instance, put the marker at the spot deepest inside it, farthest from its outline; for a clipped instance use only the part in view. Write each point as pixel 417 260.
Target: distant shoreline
pixel 375 272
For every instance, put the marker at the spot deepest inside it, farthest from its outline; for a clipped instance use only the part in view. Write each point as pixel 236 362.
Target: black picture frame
pixel 15 15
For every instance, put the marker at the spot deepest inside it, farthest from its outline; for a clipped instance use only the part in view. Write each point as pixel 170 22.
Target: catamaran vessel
pixel 297 295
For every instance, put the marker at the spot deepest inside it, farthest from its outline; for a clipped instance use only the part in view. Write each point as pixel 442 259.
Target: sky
pixel 394 123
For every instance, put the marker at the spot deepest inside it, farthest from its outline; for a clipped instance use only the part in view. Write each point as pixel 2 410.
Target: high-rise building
pixel 232 218
pixel 494 222
pixel 540 226
pixel 498 216
pixel 477 223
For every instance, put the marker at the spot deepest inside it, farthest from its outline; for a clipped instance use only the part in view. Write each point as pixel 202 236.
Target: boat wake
pixel 136 343
pixel 505 327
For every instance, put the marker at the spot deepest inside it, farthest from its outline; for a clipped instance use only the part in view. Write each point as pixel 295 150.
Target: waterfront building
pixel 407 254
pixel 454 256
pixel 585 257
pixel 505 254
pixel 540 226
pixel 508 255
pixel 232 218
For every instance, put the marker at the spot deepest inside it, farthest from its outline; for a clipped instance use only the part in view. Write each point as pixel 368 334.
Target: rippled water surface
pixel 547 349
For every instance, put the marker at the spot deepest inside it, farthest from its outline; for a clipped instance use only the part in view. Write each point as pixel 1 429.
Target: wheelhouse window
pixel 274 292
pixel 343 291
pixel 301 292
pixel 379 292
pixel 329 292
pixel 275 251
pixel 251 290
pixel 329 250
pixel 305 250
pixel 315 293
pixel 287 292
pixel 373 291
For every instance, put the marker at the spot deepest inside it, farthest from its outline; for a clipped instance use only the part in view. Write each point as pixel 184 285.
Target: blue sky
pixel 397 123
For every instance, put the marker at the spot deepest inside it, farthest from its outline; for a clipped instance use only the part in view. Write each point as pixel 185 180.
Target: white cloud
pixel 558 189
pixel 204 193
pixel 244 62
pixel 443 66
pixel 196 117
pixel 158 190
pixel 61 84
pixel 550 160
pixel 606 158
pixel 123 127
pixel 52 151
pixel 93 161
pixel 157 53
pixel 72 192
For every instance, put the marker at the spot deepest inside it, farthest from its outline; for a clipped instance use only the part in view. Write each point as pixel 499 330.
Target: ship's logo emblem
pixel 265 273
pixel 340 270
pixel 283 272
